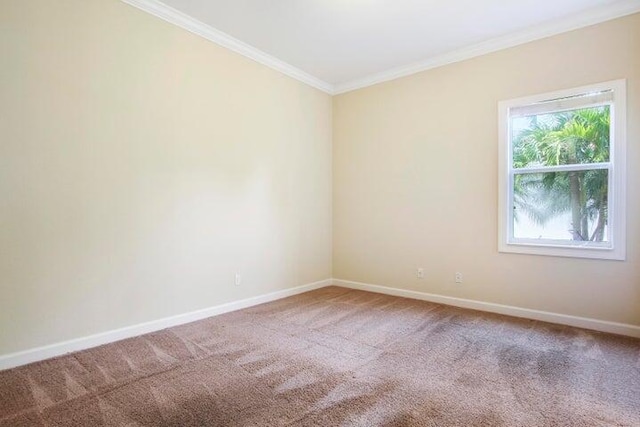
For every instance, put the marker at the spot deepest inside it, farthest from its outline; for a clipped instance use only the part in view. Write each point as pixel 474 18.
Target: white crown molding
pixel 584 19
pixel 590 17
pixel 13 360
pixel 173 16
pixel 526 313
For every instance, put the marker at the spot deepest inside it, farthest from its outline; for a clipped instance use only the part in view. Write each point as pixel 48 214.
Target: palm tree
pixel 572 137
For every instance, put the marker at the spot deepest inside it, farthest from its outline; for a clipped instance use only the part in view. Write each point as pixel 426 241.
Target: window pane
pixel 562 138
pixel 561 206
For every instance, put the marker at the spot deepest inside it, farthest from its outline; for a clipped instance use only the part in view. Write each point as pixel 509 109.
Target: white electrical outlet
pixel 458 277
pixel 238 279
pixel 420 273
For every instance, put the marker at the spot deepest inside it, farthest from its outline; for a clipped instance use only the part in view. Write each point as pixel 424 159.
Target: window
pixel 562 173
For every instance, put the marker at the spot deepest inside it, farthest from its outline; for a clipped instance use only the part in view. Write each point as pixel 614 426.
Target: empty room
pixel 319 213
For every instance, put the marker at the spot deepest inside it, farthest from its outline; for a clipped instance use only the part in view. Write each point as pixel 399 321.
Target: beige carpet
pixel 338 357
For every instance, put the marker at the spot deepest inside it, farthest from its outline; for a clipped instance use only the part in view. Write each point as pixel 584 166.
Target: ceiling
pixel 343 44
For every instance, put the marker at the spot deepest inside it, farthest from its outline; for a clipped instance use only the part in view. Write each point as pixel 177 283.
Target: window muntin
pixel 561 183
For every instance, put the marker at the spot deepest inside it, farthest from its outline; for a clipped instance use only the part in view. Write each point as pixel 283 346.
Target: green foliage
pixel 572 137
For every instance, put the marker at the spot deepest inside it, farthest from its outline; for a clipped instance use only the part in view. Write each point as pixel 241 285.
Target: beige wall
pixel 415 178
pixel 141 166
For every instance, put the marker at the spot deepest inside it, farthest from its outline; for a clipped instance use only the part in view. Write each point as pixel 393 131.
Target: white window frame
pixel 615 248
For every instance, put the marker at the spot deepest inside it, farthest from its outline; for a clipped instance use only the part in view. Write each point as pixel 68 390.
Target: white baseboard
pixel 545 316
pixel 46 352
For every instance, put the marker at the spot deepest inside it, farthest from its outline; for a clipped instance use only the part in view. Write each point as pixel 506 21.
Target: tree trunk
pixel 585 223
pixel 576 208
pixel 598 233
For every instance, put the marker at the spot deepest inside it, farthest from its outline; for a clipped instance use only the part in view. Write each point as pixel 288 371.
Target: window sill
pixel 568 251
